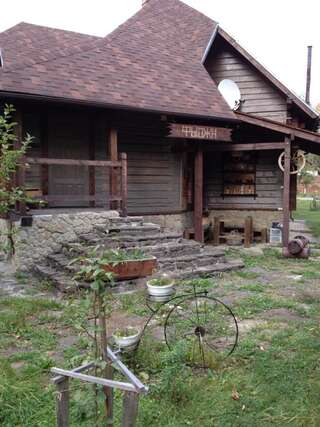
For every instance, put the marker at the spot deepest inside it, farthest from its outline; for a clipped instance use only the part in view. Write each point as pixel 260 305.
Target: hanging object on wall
pixel 298 162
pixel 231 93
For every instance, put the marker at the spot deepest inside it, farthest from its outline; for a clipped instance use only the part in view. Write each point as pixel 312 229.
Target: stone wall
pixel 4 242
pixel 49 232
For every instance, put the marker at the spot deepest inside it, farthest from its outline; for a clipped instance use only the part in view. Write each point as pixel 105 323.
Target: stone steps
pixel 129 240
pixel 182 259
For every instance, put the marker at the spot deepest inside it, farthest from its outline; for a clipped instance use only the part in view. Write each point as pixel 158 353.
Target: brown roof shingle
pixel 152 62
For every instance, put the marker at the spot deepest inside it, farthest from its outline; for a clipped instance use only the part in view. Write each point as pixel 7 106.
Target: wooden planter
pixel 132 269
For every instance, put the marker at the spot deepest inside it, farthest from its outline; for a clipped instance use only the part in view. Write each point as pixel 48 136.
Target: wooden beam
pixel 113 156
pixel 259 146
pixel 286 192
pixel 278 127
pixel 124 185
pixel 92 154
pixel 44 144
pixel 198 196
pixel 71 162
pixel 21 171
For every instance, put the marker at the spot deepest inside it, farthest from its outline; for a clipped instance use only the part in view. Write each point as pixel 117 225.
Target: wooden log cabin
pixel 150 90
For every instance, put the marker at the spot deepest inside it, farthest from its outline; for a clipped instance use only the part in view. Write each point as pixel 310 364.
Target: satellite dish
pixel 231 93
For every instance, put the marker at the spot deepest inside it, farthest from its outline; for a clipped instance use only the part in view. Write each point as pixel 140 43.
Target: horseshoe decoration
pixel 298 162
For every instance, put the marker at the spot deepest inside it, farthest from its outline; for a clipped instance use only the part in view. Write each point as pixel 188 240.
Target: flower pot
pixel 127 341
pixel 160 290
pixel 132 269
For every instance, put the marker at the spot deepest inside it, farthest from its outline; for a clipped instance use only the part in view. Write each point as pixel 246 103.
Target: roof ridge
pixel 45 27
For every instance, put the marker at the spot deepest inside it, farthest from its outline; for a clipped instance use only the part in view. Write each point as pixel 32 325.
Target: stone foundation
pixel 4 241
pixel 177 222
pixel 236 218
pixel 49 232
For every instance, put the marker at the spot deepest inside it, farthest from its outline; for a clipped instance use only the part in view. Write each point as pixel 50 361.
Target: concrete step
pixel 127 220
pixel 134 229
pixel 128 240
pixel 172 249
pixel 208 271
pixel 191 261
pixel 61 281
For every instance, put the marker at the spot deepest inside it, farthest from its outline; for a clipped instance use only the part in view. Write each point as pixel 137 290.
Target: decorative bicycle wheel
pixel 205 325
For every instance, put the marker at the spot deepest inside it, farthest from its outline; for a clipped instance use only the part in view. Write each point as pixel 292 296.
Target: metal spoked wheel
pixel 205 326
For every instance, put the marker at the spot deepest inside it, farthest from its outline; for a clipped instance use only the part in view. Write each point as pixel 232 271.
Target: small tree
pixel 10 156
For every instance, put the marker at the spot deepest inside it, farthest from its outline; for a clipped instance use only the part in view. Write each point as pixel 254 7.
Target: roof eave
pixel 97 104
pixel 305 135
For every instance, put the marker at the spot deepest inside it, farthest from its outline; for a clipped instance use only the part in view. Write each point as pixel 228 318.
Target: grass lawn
pixel 312 217
pixel 273 378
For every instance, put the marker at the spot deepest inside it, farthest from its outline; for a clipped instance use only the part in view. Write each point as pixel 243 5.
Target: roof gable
pixel 307 109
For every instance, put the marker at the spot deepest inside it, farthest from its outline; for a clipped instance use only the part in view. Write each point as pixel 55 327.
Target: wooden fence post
pixel 124 184
pixel 63 403
pixel 130 409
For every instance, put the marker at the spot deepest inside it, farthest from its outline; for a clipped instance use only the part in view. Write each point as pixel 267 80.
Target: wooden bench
pixel 249 235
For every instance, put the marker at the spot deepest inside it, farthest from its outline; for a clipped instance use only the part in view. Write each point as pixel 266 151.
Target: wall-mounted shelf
pixel 239 175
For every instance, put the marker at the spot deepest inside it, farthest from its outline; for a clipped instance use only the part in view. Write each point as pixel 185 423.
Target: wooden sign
pixel 209 133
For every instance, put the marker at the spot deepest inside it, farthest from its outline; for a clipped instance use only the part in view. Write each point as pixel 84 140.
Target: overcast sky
pixel 276 32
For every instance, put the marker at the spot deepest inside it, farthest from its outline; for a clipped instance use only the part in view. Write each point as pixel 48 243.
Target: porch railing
pixel 118 193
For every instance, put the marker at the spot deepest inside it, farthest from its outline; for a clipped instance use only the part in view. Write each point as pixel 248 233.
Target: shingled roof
pixel 28 44
pixel 151 62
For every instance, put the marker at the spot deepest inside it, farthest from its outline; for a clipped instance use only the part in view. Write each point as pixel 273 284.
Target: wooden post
pixel 286 192
pixel 21 170
pixel 92 154
pixel 44 153
pixel 113 156
pixel 63 403
pixel 198 195
pixel 130 409
pixel 248 231
pixel 216 231
pixel 124 185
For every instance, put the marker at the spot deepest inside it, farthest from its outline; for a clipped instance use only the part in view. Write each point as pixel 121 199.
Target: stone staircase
pixel 181 258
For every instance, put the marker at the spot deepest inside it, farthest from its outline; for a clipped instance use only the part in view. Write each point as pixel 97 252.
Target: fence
pixel 131 390
pixel 118 194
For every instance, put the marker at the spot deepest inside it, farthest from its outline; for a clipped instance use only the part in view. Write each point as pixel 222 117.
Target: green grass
pixel 275 369
pixel 312 218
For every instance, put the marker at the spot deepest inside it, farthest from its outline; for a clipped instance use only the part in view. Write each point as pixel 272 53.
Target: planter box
pixel 132 269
